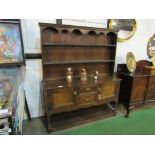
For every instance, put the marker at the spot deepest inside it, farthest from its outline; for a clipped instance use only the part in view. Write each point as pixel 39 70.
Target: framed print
pixel 8 77
pixel 11 45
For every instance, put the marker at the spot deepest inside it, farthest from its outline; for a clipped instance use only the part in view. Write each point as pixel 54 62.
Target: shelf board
pixel 55 44
pixel 11 64
pixel 10 21
pixel 80 61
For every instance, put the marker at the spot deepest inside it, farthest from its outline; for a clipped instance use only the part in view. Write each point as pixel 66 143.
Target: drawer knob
pixel 75 93
pixel 88 89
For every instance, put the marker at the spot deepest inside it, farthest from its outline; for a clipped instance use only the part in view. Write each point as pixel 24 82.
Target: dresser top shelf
pixel 48 25
pixel 75 61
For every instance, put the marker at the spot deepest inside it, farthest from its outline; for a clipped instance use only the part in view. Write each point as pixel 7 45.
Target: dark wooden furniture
pixel 135 87
pixel 93 49
pixel 150 91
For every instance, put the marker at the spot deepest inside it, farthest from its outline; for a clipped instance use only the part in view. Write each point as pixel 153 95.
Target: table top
pixel 135 74
pixel 48 84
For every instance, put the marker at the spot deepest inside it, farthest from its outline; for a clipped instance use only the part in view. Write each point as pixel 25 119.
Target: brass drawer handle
pixel 99 97
pixel 87 89
pixel 75 93
pixel 87 99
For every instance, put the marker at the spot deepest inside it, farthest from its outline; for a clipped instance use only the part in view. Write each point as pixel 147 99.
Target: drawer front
pixel 108 89
pixel 150 96
pixel 87 98
pixel 151 81
pixel 151 87
pixel 59 97
pixel 87 89
pixel 151 84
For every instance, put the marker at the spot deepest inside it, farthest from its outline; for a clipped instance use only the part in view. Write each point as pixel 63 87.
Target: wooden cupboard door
pixel 108 89
pixel 60 97
pixel 138 88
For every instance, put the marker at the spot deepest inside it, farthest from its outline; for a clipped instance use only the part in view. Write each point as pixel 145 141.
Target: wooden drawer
pixel 150 96
pixel 87 98
pixel 151 84
pixel 87 89
pixel 60 97
pixel 151 81
pixel 151 87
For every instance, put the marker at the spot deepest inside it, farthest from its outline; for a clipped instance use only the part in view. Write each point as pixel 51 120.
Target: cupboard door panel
pixel 60 97
pixel 138 88
pixel 108 89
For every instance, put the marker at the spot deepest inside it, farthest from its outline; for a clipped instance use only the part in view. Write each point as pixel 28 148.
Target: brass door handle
pixel 99 97
pixel 87 89
pixel 75 93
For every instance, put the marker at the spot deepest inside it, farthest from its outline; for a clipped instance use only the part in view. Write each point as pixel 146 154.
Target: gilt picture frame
pixel 11 43
pixel 126 27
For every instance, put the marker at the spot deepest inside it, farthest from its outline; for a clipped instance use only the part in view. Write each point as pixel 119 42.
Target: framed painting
pixel 8 78
pixel 11 44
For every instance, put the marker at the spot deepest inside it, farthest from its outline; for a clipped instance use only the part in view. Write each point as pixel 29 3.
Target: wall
pixel 138 43
pixel 31 36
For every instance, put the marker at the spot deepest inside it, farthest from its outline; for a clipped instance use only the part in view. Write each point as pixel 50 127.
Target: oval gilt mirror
pixel 126 27
pixel 151 46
